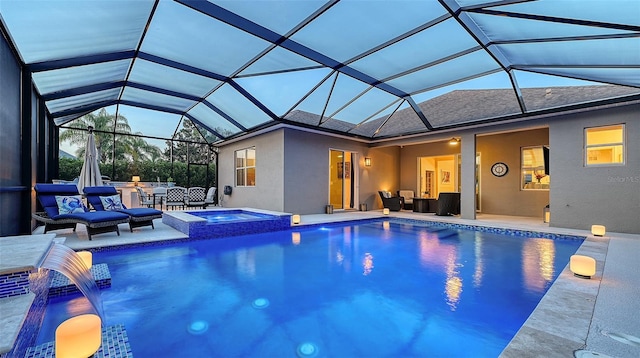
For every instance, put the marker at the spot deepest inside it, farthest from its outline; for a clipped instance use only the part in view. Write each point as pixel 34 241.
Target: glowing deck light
pixel 385 211
pixel 598 230
pixel 295 219
pixel 79 336
pixel 582 266
pixel 86 257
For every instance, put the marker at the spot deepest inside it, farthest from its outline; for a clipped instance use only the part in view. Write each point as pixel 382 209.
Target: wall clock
pixel 499 169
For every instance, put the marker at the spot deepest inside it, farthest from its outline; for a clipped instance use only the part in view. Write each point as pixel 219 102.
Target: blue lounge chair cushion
pixel 93 217
pixel 47 195
pixel 94 193
pixel 140 212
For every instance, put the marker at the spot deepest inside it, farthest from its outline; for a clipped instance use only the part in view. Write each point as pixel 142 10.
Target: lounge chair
pixel 393 203
pixel 407 198
pixel 73 211
pixel 138 216
pixel 211 198
pixel 195 196
pixel 448 204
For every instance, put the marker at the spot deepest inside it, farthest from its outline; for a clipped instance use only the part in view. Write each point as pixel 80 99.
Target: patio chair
pixel 393 203
pixel 175 197
pixel 144 198
pixel 99 195
pixel 448 204
pixel 159 196
pixel 63 208
pixel 195 197
pixel 211 198
pixel 407 198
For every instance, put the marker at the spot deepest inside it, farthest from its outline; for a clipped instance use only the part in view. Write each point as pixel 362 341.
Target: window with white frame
pixel 604 145
pixel 534 168
pixel 246 167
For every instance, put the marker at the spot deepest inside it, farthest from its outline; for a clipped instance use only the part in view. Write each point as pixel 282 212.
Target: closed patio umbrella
pixel 90 173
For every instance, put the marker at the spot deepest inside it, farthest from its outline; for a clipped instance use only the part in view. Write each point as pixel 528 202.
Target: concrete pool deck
pixel 597 317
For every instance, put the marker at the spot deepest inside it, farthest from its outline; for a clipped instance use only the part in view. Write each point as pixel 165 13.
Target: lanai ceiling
pixel 371 69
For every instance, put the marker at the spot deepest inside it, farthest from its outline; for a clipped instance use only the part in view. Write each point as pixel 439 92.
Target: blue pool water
pixel 229 215
pixel 383 289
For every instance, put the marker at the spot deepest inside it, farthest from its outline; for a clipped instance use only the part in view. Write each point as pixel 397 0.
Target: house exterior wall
pixel 607 195
pixel 292 171
pixel 503 147
pixel 503 195
pixel 306 178
pixel 268 193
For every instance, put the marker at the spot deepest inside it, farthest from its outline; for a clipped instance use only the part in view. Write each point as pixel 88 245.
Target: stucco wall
pixel 307 171
pixel 502 195
pixel 608 195
pixel 268 193
pixel 301 186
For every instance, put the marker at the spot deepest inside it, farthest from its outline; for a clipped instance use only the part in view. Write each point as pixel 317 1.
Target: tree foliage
pixel 135 156
pixel 106 126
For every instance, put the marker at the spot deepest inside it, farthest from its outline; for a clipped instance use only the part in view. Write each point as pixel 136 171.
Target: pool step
pixel 61 285
pixel 115 343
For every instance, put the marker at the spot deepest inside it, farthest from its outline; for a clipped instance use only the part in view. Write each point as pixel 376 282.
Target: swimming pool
pixel 380 288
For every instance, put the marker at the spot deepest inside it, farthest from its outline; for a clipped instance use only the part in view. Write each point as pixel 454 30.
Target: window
pixel 246 167
pixel 604 145
pixel 535 168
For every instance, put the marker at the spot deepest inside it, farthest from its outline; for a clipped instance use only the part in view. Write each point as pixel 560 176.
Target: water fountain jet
pixel 66 261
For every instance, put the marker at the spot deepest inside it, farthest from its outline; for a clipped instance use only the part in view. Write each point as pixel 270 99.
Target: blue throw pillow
pixel 70 204
pixel 111 203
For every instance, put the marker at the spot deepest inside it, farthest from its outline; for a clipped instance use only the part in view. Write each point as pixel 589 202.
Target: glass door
pixel 341 179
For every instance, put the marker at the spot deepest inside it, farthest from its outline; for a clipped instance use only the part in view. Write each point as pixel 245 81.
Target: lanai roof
pixel 372 69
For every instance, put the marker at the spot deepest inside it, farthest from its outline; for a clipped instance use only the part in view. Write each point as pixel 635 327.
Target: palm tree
pixel 101 122
pixel 138 150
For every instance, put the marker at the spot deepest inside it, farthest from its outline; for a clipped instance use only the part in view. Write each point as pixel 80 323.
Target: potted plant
pixel 170 181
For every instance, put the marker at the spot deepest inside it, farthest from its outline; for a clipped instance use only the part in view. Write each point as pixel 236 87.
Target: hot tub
pixel 216 223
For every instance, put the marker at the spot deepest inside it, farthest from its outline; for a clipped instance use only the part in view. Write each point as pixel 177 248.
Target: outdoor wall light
pixel 86 257
pixel 454 141
pixel 295 219
pixel 582 266
pixel 385 211
pixel 367 162
pixel 135 179
pixel 598 230
pixel 79 336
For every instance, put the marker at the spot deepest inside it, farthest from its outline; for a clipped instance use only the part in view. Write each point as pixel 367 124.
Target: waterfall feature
pixel 66 261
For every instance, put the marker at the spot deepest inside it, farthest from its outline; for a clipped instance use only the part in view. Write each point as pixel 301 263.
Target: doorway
pixel 342 179
pixel 442 174
pixel 437 174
